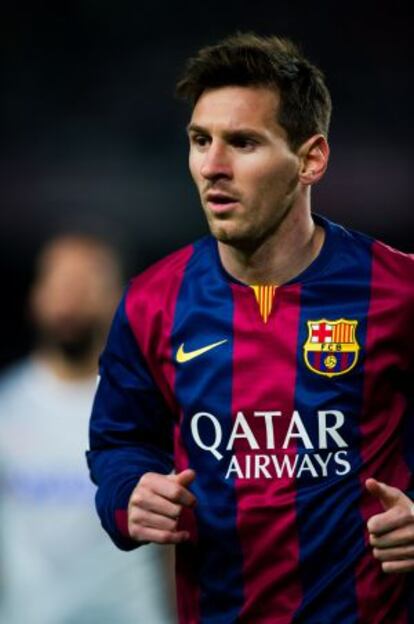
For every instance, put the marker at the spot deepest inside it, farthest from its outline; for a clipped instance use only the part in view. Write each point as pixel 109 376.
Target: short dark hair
pixel 247 59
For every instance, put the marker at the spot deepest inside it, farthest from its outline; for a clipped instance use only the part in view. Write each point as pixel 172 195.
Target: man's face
pixel 241 162
pixel 74 296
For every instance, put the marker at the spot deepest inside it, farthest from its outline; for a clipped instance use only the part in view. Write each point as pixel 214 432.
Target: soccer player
pixel 253 406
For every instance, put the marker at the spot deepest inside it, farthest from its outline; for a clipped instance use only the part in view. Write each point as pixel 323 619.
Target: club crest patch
pixel 331 347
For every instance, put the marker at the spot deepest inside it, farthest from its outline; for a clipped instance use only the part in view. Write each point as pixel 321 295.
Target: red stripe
pixel 121 521
pixel 152 320
pixel 150 308
pixel 317 362
pixel 344 361
pixel 266 515
pixel 383 409
pixel 188 589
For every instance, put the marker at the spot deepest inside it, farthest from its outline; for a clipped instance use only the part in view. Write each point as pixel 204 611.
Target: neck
pixel 285 253
pixel 65 369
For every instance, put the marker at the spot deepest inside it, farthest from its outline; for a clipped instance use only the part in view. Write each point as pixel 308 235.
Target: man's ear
pixel 314 156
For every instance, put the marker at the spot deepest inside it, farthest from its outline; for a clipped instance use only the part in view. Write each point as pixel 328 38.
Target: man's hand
pixel 391 533
pixel 155 506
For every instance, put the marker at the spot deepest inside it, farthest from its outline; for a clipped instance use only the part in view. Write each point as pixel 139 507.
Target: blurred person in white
pixel 56 564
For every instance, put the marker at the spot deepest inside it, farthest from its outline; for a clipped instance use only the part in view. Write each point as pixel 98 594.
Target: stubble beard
pixel 230 234
pixel 246 239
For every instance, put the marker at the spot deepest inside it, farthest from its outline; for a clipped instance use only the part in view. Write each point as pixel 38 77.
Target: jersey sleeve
pixel 131 428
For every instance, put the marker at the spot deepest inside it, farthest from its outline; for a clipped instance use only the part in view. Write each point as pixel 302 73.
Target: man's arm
pixel 131 429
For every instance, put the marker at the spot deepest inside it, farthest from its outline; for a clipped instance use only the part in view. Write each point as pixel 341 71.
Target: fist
pixel 391 533
pixel 155 506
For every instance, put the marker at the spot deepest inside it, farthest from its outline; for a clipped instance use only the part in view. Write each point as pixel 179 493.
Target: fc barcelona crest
pixel 331 347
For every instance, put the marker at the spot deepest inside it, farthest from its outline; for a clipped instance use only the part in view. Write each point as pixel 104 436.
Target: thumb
pixel 184 478
pixel 387 495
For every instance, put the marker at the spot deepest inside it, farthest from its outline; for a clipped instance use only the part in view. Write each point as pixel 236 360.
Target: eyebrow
pixel 240 132
pixel 195 128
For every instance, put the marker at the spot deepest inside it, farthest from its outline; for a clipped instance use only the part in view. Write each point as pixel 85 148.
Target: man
pixel 57 567
pixel 269 365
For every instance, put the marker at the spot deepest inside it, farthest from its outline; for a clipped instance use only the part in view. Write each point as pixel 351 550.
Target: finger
pixel 398 567
pixel 394 518
pixel 386 494
pixel 168 488
pixel 399 537
pixel 151 520
pixel 185 477
pixel 146 534
pixel 394 554
pixel 149 501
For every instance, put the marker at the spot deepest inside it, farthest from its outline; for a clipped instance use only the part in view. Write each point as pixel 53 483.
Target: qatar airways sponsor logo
pixel 322 455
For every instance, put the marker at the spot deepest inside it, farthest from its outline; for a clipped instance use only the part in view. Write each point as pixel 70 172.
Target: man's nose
pixel 216 162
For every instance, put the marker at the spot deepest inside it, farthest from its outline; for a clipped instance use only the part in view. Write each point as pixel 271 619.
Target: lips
pixel 220 198
pixel 220 203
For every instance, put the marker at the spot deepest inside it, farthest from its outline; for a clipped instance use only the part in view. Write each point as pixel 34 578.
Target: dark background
pixel 93 138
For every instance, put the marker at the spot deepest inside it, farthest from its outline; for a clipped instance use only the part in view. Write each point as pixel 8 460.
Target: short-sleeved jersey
pixel 284 401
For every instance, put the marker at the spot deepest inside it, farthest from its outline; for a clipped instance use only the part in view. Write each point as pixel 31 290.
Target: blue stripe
pixel 408 431
pixel 203 316
pixel 330 524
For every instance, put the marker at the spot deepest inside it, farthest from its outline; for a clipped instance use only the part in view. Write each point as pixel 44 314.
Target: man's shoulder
pixel 167 268
pixel 382 253
pixel 163 278
pixel 393 273
pixel 392 270
pixel 394 257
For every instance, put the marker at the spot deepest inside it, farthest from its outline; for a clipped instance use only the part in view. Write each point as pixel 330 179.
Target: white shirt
pixel 57 566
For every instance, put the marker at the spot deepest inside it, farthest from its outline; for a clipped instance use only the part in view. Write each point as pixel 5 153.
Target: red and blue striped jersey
pixel 283 400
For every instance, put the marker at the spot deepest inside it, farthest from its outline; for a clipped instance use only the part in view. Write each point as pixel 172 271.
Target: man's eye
pixel 244 143
pixel 200 140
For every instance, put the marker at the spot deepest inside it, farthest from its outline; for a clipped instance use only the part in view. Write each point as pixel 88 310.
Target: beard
pixel 243 232
pixel 75 342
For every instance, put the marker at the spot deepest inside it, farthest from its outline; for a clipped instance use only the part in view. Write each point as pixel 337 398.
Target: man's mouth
pixel 220 202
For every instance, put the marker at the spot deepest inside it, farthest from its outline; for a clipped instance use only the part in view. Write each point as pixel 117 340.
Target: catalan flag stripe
pixel 264 297
pixel 343 332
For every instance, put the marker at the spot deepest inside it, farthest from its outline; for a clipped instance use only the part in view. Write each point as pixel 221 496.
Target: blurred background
pixel 94 141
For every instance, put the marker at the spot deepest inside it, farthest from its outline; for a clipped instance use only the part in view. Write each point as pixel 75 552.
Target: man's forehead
pixel 235 107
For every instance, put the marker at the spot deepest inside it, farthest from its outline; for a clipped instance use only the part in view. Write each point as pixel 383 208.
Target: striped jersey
pixel 284 400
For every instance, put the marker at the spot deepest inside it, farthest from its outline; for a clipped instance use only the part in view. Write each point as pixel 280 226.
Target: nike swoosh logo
pixel 183 356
